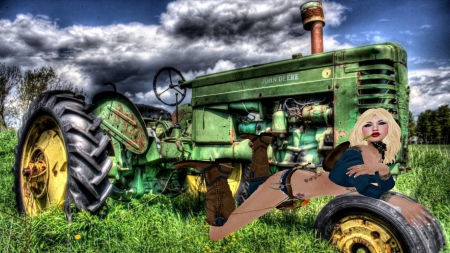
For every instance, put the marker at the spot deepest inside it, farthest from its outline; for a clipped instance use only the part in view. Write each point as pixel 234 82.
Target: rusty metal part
pixel 35 168
pixel 365 234
pixel 36 175
pixel 317 38
pixel 314 21
pixel 26 172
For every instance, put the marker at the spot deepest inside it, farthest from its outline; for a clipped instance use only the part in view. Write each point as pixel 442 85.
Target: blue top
pixel 362 183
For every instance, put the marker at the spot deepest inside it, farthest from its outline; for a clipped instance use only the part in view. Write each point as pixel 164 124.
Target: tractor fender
pixel 121 120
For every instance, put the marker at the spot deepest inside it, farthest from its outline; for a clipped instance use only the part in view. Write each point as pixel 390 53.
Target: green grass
pixel 161 224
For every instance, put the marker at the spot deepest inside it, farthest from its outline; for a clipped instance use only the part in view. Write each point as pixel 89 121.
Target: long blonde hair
pixel 392 139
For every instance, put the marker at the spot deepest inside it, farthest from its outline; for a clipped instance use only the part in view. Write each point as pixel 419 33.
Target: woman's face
pixel 376 128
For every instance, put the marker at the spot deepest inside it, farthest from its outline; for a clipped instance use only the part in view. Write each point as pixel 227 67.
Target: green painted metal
pixel 317 115
pixel 184 118
pixel 163 128
pixel 254 127
pixel 279 122
pixel 237 151
pixel 152 156
pixel 214 126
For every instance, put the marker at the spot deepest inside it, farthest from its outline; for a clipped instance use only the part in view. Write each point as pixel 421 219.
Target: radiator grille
pixel 376 86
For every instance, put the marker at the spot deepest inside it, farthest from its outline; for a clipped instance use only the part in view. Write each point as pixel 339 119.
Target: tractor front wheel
pixel 60 158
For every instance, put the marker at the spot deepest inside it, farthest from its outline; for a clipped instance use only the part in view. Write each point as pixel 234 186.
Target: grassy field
pixel 160 224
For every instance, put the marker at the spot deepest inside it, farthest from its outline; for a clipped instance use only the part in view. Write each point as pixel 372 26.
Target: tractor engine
pixel 302 129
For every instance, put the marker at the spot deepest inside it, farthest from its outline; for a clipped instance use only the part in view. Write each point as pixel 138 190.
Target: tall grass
pixel 161 224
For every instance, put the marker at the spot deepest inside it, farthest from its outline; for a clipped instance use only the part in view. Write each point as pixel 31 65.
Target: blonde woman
pixel 360 168
pixel 365 161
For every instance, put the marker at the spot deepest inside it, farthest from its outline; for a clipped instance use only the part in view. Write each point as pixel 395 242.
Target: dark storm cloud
pixel 67 52
pixel 28 35
pixel 104 72
pixel 232 20
pixel 6 50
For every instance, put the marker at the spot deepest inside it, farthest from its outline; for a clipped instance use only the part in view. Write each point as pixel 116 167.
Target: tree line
pixel 17 91
pixel 432 126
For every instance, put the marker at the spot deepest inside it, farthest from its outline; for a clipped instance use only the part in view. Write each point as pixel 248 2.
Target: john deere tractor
pixel 77 154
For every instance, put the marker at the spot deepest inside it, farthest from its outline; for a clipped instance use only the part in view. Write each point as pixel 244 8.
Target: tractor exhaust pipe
pixel 314 21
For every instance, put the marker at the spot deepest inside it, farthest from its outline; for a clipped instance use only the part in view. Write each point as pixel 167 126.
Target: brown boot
pixel 259 169
pixel 219 200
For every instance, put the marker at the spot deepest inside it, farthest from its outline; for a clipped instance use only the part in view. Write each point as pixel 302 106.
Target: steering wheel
pixel 164 86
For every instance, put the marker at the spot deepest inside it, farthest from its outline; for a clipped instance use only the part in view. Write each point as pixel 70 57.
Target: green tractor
pixel 77 154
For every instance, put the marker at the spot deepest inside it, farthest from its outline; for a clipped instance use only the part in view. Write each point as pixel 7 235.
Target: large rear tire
pixel 356 223
pixel 61 156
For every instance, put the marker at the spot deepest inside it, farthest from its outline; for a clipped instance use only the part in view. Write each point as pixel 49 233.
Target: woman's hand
pixel 369 169
pixel 415 213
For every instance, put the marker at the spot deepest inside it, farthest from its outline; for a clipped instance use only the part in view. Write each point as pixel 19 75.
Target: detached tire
pixel 61 156
pixel 356 223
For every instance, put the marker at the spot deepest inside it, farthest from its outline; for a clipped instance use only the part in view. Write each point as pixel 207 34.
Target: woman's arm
pixel 369 169
pixel 354 158
pixel 372 164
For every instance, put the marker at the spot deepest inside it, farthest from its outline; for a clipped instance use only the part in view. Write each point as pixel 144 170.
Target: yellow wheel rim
pixel 364 233
pixel 43 167
pixel 196 185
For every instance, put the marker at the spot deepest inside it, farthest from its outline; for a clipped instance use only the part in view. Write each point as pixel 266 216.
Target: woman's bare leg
pixel 305 185
pixel 260 202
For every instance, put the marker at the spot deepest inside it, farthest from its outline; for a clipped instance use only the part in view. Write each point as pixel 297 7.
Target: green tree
pixel 411 125
pixel 424 126
pixel 34 83
pixel 436 127
pixel 433 126
pixel 443 115
pixel 10 77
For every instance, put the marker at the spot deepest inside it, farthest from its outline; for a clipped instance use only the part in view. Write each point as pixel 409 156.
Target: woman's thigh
pixel 307 184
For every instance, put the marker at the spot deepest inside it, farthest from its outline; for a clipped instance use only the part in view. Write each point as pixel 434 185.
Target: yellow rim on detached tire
pixel 364 233
pixel 43 167
pixel 195 185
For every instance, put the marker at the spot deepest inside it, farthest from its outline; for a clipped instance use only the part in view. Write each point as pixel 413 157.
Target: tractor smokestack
pixel 314 21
